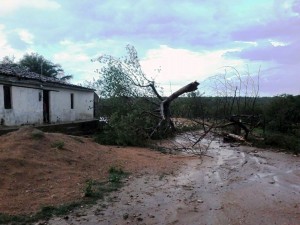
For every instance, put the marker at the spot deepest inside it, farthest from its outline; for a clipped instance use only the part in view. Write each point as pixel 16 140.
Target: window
pixel 7 97
pixel 72 101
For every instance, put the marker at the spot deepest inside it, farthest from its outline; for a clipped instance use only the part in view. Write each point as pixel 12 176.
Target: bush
pixel 288 142
pixel 127 130
pixel 284 142
pixel 89 189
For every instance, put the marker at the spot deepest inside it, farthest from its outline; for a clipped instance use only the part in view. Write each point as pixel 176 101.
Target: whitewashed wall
pixel 27 109
pixel 60 106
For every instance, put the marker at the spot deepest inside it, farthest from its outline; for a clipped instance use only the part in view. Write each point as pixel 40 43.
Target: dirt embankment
pixel 35 172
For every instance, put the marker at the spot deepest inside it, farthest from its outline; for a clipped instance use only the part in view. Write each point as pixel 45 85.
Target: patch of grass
pixel 97 189
pixel 44 214
pixel 37 134
pixel 78 139
pixel 93 191
pixel 116 175
pixel 58 144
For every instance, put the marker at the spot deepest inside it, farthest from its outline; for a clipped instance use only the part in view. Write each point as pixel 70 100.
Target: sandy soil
pixel 240 185
pixel 34 174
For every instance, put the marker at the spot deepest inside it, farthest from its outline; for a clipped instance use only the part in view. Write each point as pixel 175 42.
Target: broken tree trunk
pixel 229 137
pixel 165 105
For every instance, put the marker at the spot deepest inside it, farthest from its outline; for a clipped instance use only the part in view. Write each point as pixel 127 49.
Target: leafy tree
pixel 134 107
pixel 8 60
pixel 136 111
pixel 38 64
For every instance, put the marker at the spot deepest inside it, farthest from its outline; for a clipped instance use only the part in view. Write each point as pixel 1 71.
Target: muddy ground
pixel 230 185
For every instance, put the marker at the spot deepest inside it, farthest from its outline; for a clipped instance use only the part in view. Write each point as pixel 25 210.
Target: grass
pixel 45 213
pixel 37 134
pixel 116 175
pixel 93 191
pixel 77 139
pixel 58 144
pixel 97 189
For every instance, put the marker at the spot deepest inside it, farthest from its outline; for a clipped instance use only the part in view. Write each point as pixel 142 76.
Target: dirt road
pixel 236 185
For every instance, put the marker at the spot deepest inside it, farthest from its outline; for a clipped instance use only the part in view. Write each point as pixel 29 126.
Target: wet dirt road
pixel 240 185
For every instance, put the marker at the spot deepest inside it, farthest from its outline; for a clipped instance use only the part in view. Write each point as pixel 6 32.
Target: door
pixel 46 106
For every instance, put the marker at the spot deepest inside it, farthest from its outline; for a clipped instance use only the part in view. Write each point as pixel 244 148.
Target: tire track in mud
pixel 240 185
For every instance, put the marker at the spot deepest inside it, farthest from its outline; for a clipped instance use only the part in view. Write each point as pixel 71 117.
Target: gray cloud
pixel 280 80
pixel 284 30
pixel 265 51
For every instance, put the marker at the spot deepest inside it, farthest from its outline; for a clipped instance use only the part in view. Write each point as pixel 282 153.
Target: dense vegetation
pixel 279 118
pixel 136 111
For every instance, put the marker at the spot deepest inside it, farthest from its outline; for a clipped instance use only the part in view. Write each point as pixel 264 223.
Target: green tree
pixel 134 107
pixel 8 60
pixel 38 64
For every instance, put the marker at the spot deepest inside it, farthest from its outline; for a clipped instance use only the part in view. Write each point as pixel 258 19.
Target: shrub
pixel 89 190
pixel 288 142
pixel 127 130
pixel 116 175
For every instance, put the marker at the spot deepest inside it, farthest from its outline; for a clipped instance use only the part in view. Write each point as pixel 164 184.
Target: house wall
pixel 27 108
pixel 60 106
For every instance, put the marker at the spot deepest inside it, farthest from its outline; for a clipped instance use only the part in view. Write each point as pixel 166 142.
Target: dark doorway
pixel 7 97
pixel 46 106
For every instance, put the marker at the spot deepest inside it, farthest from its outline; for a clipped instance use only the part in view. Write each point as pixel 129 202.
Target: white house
pixel 30 98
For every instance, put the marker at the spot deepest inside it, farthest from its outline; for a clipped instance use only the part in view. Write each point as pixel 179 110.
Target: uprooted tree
pixel 136 110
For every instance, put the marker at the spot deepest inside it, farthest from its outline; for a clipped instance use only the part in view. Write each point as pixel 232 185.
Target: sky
pixel 184 40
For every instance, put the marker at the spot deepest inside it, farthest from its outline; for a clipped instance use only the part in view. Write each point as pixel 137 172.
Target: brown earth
pixel 34 174
pixel 229 185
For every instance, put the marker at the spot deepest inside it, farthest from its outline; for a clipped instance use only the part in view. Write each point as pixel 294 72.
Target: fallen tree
pixel 132 96
pixel 138 112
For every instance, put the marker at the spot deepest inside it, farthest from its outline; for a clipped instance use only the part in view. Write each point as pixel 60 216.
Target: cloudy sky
pixel 187 40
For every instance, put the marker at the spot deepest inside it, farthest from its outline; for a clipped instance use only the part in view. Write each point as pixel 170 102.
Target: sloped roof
pixel 22 73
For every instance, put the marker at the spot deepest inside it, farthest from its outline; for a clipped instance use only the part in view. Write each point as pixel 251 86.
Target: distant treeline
pixel 280 113
pixel 279 116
